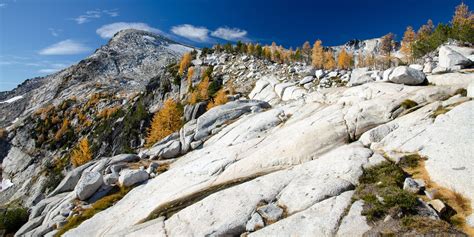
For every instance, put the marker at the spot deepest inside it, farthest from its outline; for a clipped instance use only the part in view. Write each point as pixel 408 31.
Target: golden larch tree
pixel 370 61
pixel 184 64
pixel 462 16
pixel 219 99
pixel 251 49
pixel 407 42
pixel 165 122
pixel 318 54
pixel 344 60
pixel 81 154
pixel 425 30
pixel 329 61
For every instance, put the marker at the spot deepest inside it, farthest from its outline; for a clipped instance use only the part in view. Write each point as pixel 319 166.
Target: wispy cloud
pixel 2 5
pixel 48 67
pixel 231 34
pixel 55 32
pixel 95 14
pixel 108 31
pixel 65 47
pixel 111 13
pixel 195 33
pixel 39 65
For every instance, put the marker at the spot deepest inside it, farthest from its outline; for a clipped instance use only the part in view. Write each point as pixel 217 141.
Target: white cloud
pixel 95 14
pixel 2 5
pixel 65 47
pixel 191 32
pixel 48 70
pixel 52 67
pixel 108 31
pixel 231 34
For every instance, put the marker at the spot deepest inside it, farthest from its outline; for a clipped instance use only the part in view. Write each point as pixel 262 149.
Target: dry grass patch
pixel 98 206
pixel 460 204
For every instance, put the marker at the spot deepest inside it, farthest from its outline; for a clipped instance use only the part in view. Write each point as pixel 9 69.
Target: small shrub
pixel 214 87
pixel 3 133
pixel 439 111
pixel 408 104
pixel 410 161
pixel 12 219
pixel 461 91
pixel 384 181
pixel 108 112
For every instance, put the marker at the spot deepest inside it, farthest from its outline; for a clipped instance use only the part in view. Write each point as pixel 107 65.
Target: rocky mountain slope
pixel 125 65
pixel 294 151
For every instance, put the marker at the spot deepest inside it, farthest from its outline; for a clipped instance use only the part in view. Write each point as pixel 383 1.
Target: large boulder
pixel 219 115
pixel 407 75
pixel 88 184
pixel 450 58
pixel 130 177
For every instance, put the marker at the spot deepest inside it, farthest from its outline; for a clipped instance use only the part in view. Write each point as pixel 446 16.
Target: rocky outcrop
pixel 451 58
pixel 286 161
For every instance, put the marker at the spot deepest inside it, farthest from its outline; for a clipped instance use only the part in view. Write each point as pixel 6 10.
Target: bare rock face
pixel 449 57
pixel 293 156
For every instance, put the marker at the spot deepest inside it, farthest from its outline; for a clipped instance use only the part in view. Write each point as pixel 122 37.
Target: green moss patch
pixel 381 189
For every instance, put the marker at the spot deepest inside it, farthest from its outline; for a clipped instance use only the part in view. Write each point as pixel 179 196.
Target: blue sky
pixel 40 37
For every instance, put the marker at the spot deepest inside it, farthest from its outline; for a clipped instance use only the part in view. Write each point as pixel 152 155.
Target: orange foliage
pixel 329 61
pixel 81 153
pixel 344 60
pixel 64 127
pixel 408 39
pixel 219 99
pixel 201 93
pixel 318 54
pixel 184 64
pixel 165 122
pixel 107 112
